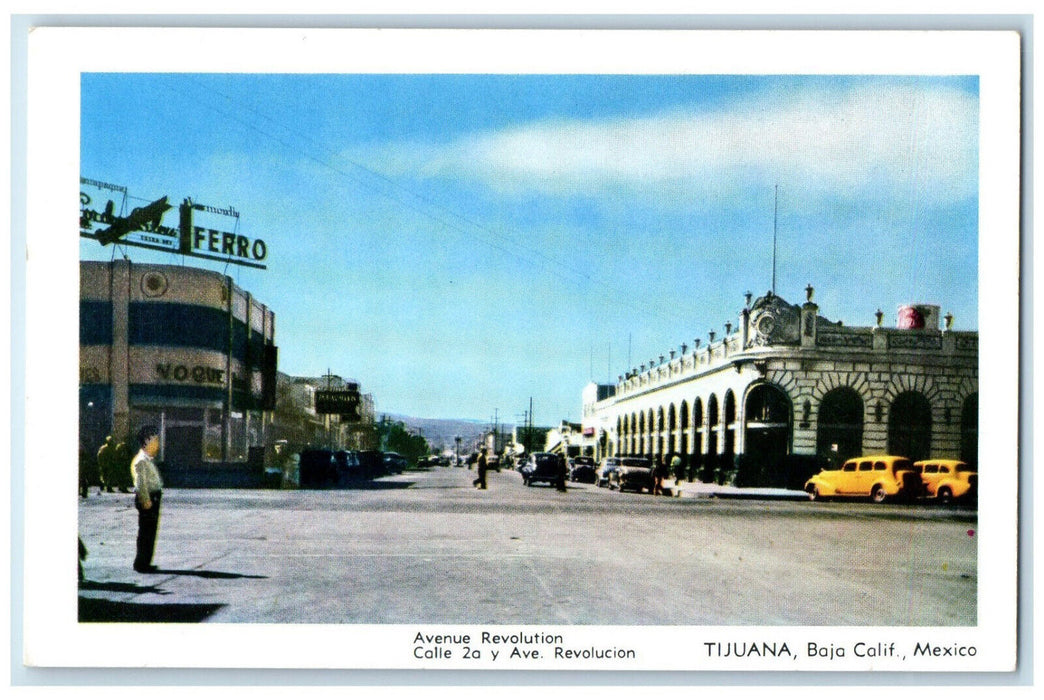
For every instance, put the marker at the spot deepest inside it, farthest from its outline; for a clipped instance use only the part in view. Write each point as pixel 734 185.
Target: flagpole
pixel 775 218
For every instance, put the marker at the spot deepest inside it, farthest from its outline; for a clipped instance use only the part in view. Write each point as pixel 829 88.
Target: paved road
pixel 426 547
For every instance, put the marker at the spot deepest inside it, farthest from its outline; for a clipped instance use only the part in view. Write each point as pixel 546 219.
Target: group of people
pixel 108 469
pixel 661 472
pixel 143 474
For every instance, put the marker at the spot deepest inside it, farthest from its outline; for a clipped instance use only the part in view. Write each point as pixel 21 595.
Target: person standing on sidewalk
pixel 480 482
pixel 148 486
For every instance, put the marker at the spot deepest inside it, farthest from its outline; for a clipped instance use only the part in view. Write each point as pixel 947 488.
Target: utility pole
pixel 775 218
pixel 529 429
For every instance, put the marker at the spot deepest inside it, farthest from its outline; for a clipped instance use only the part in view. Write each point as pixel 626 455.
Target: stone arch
pixel 839 424
pixel 661 423
pixel 640 436
pixel 672 429
pixel 710 457
pixel 768 428
pixel 729 427
pixel 650 427
pixel 684 433
pixel 914 384
pixel 829 381
pixel 782 378
pixel 910 426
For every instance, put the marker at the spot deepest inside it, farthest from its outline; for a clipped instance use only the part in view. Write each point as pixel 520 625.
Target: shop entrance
pixel 182 452
pixel 839 430
pixel 910 426
pixel 767 431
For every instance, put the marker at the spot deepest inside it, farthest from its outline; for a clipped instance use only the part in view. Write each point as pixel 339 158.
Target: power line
pixel 530 255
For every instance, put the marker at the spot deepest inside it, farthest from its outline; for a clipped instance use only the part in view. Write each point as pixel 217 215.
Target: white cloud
pixel 874 141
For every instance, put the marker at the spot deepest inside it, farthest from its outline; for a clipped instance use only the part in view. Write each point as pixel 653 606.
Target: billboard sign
pixel 104 217
pixel 344 403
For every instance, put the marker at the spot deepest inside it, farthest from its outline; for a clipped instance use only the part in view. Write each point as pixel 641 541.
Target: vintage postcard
pixel 523 350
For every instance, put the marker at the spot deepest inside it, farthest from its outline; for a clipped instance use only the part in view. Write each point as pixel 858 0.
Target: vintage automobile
pixel 879 477
pixel 318 469
pixel 348 467
pixel 635 474
pixel 947 479
pixel 544 467
pixel 583 470
pixel 608 471
pixel 394 463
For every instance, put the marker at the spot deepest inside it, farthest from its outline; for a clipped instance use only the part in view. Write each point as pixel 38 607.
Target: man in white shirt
pixel 148 486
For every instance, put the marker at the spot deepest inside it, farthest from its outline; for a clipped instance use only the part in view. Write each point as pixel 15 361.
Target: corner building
pixel 184 349
pixel 787 390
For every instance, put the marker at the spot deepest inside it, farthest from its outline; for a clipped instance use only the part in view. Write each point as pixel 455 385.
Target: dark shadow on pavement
pixel 376 485
pixel 202 574
pixel 101 610
pixel 118 587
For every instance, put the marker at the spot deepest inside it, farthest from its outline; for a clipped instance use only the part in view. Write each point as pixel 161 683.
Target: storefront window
pixel 213 437
pixel 237 429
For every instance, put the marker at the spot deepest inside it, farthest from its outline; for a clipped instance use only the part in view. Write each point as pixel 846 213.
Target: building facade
pixel 184 349
pixel 297 420
pixel 786 390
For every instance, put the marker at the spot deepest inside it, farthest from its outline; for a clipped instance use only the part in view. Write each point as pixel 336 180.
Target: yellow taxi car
pixel 947 479
pixel 879 477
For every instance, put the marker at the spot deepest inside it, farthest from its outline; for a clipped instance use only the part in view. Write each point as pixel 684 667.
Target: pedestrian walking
pixel 676 468
pixel 80 557
pixel 563 471
pixel 659 473
pixel 88 471
pixel 121 468
pixel 148 487
pixel 480 482
pixel 107 464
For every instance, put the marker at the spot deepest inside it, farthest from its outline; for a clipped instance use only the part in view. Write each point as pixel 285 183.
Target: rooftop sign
pixel 102 218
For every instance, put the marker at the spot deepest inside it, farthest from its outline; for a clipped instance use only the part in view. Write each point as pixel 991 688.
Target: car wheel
pixel 813 494
pixel 878 494
pixel 945 495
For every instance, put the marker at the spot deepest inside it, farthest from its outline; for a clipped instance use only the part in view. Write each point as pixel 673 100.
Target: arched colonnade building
pixel 787 390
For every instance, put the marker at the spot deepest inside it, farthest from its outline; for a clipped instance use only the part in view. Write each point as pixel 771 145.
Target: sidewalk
pixel 698 489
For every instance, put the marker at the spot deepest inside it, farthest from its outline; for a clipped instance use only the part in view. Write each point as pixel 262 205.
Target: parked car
pixel 493 463
pixel 318 469
pixel 544 467
pixel 583 470
pixel 879 477
pixel 348 467
pixel 371 463
pixel 635 473
pixel 394 463
pixel 607 473
pixel 947 479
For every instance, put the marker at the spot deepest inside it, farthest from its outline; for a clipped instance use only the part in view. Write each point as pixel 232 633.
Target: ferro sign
pixel 143 227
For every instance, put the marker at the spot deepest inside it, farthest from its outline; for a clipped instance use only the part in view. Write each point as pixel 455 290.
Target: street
pixel 427 547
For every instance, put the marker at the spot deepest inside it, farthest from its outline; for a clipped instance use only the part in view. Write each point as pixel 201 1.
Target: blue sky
pixel 461 243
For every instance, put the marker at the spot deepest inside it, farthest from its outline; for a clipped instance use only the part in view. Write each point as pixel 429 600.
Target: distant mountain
pixel 440 433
